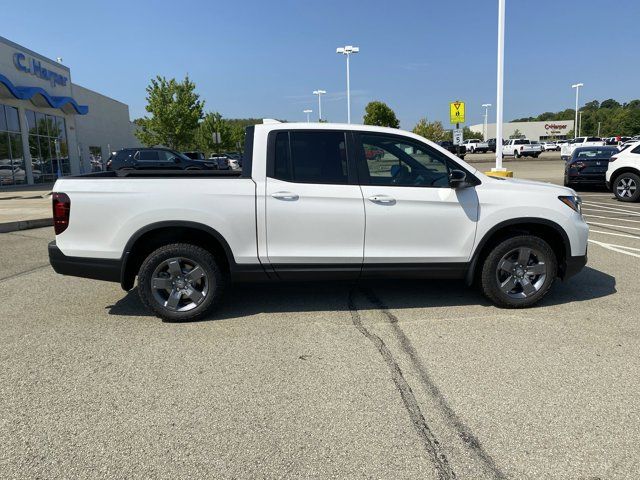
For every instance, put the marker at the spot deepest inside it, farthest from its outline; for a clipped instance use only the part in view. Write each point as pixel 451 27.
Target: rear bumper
pixel 573 265
pixel 96 268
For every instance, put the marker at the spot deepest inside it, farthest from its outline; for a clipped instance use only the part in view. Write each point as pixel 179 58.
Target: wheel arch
pixel 546 229
pixel 154 235
pixel 628 169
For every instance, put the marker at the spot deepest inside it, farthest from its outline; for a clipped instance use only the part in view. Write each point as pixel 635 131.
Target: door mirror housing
pixel 458 179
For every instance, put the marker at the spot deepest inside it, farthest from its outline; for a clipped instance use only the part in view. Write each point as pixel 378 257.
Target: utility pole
pixel 575 126
pixel 500 85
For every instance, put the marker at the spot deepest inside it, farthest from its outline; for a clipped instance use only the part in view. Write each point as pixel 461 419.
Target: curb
pixel 25 224
pixel 510 160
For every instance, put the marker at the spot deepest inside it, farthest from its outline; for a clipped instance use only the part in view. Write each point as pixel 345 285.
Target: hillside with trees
pixel 615 118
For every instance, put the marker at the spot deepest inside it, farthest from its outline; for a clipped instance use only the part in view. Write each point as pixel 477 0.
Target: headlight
pixel 572 201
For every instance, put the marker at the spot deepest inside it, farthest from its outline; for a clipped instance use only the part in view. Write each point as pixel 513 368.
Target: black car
pixel 459 150
pixel 588 166
pixel 156 158
pixel 492 145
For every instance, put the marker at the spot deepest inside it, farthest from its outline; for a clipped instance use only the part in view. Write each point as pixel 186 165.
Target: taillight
pixel 61 211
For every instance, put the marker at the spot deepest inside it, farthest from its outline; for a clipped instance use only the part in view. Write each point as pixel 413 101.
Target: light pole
pixel 319 93
pixel 579 123
pixel 500 83
pixel 486 114
pixel 348 50
pixel 307 111
pixel 575 126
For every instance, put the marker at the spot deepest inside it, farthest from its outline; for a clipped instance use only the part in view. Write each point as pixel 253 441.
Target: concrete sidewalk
pixel 25 207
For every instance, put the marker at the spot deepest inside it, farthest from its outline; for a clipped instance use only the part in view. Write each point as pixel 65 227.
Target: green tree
pixel 610 103
pixel 434 131
pixel 175 110
pixel 211 124
pixel 379 114
pixel 467 133
pixel 516 134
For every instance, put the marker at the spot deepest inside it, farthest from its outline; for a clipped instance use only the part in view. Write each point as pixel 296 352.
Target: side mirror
pixel 458 179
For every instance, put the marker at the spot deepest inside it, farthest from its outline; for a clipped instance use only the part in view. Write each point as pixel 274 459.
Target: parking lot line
pixel 612 218
pixel 604 204
pixel 611 209
pixel 614 248
pixel 610 225
pixel 637 237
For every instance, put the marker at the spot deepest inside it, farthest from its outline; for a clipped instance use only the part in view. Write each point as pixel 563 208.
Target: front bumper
pixel 573 265
pixel 96 268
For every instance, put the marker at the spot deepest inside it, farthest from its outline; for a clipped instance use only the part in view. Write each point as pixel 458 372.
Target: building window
pixel 48 147
pixel 95 155
pixel 12 170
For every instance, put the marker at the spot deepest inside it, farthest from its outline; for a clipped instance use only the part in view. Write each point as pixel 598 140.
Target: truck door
pixel 415 221
pixel 314 206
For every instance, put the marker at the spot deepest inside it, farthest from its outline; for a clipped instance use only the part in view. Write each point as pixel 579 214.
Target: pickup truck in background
pixel 567 148
pixel 521 147
pixel 473 145
pixel 310 204
pixel 458 150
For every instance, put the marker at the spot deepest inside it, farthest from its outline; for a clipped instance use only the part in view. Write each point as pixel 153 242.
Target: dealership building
pixel 50 127
pixel 549 130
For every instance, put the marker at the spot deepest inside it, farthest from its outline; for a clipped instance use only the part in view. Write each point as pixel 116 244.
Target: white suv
pixel 623 174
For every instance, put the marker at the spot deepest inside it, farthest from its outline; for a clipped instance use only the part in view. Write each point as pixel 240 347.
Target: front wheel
pixel 181 282
pixel 626 187
pixel 518 272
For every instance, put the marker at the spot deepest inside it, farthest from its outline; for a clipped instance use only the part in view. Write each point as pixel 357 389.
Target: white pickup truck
pixel 310 204
pixel 521 147
pixel 567 148
pixel 473 145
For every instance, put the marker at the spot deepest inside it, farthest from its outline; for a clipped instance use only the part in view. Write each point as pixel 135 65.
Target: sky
pixel 264 58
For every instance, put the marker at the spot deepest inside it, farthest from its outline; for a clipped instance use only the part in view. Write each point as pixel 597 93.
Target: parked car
pixel 550 147
pixel 459 150
pixel 568 148
pixel 623 174
pixel 521 147
pixel 219 162
pixel 588 166
pixel 235 159
pixel 195 155
pixel 491 143
pixel 298 211
pixel 473 145
pixel 12 174
pixel 155 158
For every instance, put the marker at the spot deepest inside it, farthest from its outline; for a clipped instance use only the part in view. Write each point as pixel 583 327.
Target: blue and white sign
pixel 34 67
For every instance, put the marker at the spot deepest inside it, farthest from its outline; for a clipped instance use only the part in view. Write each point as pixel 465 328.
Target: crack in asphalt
pixel 26 272
pixel 462 430
pixel 430 442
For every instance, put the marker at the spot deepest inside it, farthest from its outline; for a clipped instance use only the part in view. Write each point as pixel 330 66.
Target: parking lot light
pixel 486 114
pixel 307 111
pixel 575 125
pixel 319 93
pixel 347 51
pixel 500 84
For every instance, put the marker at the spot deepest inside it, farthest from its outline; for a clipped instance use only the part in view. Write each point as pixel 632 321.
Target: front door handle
pixel 382 199
pixel 285 196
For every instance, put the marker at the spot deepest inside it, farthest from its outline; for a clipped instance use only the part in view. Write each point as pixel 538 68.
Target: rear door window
pixel 311 157
pixel 148 156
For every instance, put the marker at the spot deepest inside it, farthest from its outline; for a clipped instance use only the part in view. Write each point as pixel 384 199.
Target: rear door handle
pixel 382 199
pixel 285 196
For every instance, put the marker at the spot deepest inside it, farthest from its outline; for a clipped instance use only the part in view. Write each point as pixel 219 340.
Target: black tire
pixel 210 286
pixel 516 154
pixel 471 150
pixel 626 187
pixel 493 273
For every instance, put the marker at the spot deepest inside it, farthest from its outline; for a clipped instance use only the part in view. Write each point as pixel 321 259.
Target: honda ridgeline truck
pixel 309 204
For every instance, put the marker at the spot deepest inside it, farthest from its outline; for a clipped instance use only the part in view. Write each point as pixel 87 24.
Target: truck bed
pixel 160 174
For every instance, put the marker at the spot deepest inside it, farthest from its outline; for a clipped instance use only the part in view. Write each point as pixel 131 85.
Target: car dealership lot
pixel 384 379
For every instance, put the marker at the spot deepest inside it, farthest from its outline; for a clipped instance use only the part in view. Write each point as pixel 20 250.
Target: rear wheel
pixel 518 272
pixel 516 154
pixel 626 187
pixel 181 282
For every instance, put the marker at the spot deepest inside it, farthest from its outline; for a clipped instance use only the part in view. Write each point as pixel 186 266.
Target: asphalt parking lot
pixel 382 380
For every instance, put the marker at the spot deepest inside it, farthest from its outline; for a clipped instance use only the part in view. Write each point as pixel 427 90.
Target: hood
pixel 533 185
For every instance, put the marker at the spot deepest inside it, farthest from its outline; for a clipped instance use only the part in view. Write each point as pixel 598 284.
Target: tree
pixel 204 138
pixel 516 134
pixel 379 114
pixel 175 111
pixel 434 131
pixel 610 103
pixel 467 133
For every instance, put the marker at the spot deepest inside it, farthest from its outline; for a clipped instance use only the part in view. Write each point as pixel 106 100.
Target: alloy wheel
pixel 522 272
pixel 179 284
pixel 626 187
